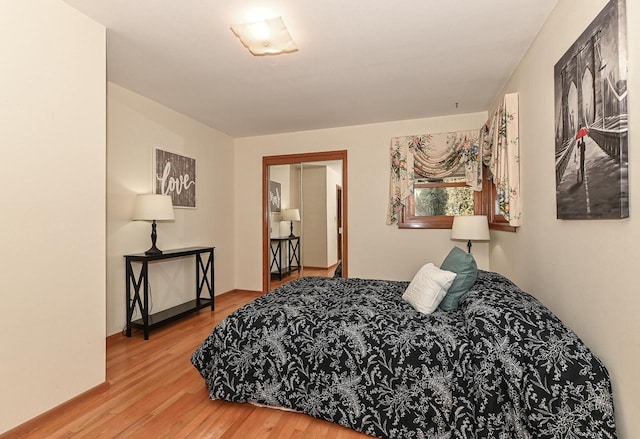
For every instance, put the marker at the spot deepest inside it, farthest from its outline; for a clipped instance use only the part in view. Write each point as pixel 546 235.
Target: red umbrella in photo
pixel 581 133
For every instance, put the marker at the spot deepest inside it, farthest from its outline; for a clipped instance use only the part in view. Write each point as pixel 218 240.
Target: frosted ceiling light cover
pixel 266 37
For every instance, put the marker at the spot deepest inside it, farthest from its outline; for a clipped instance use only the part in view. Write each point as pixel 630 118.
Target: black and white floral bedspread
pixel 352 351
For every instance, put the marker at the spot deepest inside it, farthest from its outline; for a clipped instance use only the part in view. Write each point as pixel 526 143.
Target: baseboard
pixel 320 268
pixel 240 291
pixel 32 425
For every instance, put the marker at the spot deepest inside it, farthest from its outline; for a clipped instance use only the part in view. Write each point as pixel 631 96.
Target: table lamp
pixel 153 207
pixel 470 228
pixel 291 215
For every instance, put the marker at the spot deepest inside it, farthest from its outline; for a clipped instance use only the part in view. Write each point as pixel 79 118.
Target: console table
pixel 204 277
pixel 293 255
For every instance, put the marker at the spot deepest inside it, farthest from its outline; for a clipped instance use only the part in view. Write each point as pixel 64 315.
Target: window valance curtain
pixel 440 155
pixel 431 156
pixel 501 154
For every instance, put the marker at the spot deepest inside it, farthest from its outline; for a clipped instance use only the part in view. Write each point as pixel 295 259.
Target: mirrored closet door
pixel 305 216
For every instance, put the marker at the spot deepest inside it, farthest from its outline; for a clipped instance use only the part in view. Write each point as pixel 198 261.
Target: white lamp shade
pixel 291 215
pixel 151 207
pixel 471 227
pixel 266 37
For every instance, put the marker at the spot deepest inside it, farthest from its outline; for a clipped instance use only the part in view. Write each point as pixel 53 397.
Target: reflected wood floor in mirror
pixel 153 391
pixel 305 272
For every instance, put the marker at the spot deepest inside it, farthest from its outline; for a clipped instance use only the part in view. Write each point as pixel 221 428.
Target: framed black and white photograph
pixel 275 193
pixel 175 175
pixel 591 121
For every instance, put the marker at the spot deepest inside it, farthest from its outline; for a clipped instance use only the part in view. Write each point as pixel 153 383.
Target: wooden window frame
pixel 409 220
pixel 484 203
pixel 497 221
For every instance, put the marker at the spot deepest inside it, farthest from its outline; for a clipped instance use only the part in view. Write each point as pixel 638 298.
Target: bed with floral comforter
pixel 352 351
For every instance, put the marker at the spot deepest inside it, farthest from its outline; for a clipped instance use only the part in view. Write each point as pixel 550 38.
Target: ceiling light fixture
pixel 265 37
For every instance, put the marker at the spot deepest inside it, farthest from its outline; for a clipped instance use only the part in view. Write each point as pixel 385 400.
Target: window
pixel 449 196
pixel 435 202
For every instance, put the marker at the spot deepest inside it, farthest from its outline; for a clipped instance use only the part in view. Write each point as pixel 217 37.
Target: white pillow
pixel 428 287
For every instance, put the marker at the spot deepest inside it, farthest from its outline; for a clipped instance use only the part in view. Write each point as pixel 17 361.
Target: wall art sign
pixel 275 193
pixel 591 121
pixel 175 175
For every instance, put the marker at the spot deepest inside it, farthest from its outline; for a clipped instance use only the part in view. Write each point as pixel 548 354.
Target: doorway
pixel 339 212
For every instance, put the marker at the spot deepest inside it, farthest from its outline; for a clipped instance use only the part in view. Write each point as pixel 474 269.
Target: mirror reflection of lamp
pixel 291 215
pixel 153 207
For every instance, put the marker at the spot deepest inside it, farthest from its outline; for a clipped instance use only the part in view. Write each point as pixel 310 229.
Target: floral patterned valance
pixel 431 156
pixel 440 155
pixel 501 153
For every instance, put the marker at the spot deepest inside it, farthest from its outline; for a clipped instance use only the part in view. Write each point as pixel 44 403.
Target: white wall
pixel 282 175
pixel 320 238
pixel 136 125
pixel 314 216
pixel 334 178
pixel 295 200
pixel 52 151
pixel 375 249
pixel 585 271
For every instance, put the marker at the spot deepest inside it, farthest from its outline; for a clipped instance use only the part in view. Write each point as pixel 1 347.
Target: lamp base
pixel 153 251
pixel 469 245
pixel 291 235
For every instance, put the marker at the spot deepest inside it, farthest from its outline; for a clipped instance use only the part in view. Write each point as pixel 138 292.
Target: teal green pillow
pixel 464 266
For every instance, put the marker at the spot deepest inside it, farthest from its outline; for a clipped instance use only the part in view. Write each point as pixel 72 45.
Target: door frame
pixel 291 159
pixel 339 206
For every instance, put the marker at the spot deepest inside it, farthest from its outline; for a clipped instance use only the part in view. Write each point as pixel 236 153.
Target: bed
pixel 353 352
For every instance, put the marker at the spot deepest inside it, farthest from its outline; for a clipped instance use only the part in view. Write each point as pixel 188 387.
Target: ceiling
pixel 359 61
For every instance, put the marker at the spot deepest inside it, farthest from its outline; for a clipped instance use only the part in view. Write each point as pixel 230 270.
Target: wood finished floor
pixel 304 272
pixel 155 392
